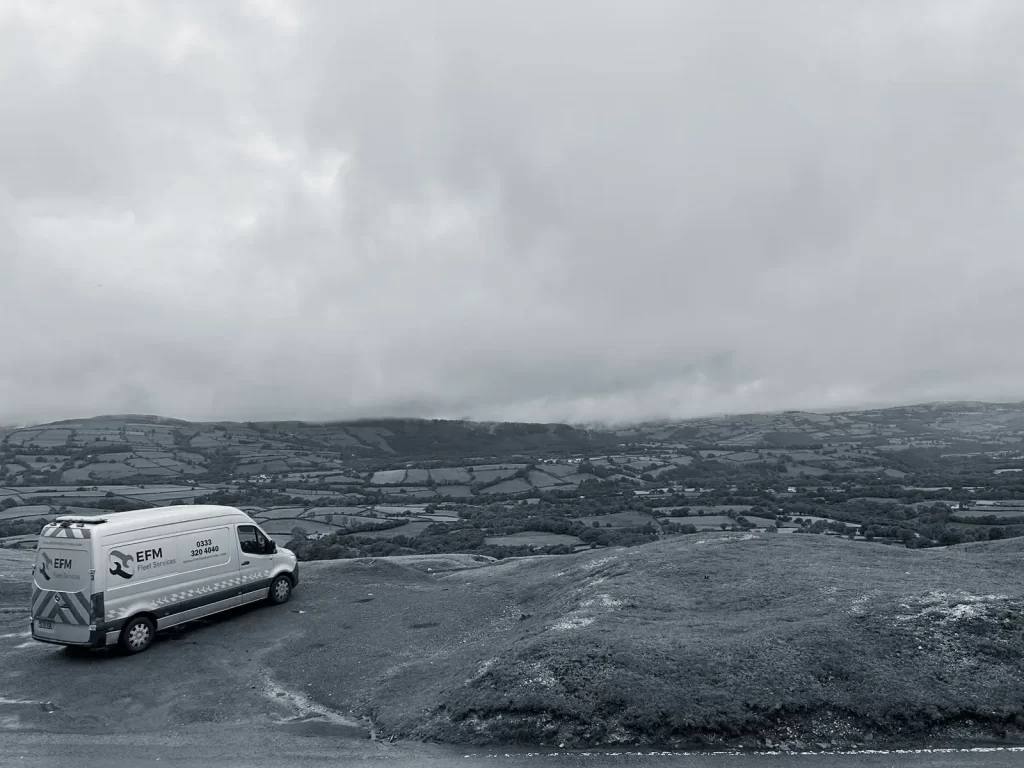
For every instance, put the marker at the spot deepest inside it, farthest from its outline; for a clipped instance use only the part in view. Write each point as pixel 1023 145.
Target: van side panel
pixel 174 574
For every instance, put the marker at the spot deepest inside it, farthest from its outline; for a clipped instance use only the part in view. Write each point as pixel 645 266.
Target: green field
pixel 278 513
pixel 414 528
pixel 340 520
pixel 455 475
pixel 719 509
pixel 455 491
pixel 409 491
pixel 1009 512
pixel 558 470
pixel 283 526
pixel 26 512
pixel 705 521
pixel 490 475
pixel 628 519
pixel 532 539
pixel 516 485
pixel 397 510
pixel 388 477
pixel 350 511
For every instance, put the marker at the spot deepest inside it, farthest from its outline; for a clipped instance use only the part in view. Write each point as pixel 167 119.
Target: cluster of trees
pixel 20 527
pixel 256 497
pixel 116 504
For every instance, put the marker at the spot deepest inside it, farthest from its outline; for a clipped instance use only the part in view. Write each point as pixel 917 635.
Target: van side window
pixel 252 541
pixel 247 539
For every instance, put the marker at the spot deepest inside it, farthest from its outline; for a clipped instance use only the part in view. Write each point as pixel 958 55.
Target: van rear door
pixel 62 584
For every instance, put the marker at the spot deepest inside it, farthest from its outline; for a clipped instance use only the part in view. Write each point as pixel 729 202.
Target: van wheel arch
pixel 277 596
pixel 123 640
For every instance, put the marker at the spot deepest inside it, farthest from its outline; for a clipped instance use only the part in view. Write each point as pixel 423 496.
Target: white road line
pixel 753 753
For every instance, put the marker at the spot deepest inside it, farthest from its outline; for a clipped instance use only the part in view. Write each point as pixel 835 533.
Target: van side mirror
pixel 271 546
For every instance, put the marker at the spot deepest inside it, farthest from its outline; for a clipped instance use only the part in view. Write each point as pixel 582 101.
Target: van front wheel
pixel 138 634
pixel 280 590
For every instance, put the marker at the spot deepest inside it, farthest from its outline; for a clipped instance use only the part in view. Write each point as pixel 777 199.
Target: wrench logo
pixel 47 563
pixel 121 564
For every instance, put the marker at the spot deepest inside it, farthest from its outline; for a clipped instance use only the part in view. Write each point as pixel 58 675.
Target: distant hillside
pixel 438 439
pixel 924 475
pixel 398 438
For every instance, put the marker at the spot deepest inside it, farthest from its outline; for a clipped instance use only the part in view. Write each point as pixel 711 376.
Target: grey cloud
pixel 529 210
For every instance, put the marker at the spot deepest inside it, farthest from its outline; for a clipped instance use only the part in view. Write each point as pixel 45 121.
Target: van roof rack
pixel 66 520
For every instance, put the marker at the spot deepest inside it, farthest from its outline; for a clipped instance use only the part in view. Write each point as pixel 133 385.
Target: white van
pixel 119 577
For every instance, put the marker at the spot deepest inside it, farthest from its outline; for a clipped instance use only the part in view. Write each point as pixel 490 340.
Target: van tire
pixel 280 590
pixel 137 634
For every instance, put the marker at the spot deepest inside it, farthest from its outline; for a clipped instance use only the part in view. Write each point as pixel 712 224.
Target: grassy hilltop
pixel 711 640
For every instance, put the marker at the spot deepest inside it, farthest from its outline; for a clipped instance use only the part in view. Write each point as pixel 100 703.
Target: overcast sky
pixel 508 209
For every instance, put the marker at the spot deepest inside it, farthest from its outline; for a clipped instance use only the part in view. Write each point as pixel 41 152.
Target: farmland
pixel 533 539
pixel 634 566
pixel 920 476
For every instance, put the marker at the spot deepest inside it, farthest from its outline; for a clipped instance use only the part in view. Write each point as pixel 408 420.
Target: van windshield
pixel 63 565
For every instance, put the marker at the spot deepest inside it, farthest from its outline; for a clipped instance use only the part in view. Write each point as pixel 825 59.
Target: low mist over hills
pixel 436 439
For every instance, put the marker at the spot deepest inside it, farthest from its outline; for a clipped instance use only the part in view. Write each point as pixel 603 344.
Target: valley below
pixel 843 584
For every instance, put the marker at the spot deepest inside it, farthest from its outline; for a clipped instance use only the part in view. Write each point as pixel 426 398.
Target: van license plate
pixel 45 623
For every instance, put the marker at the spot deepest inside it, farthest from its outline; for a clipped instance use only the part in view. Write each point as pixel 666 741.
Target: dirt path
pixel 288 681
pixel 310 666
pixel 362 649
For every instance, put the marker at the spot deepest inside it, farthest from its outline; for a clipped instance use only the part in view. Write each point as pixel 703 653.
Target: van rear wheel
pixel 280 590
pixel 138 634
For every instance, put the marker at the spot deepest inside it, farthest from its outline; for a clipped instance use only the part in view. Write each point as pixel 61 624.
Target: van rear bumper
pixel 94 636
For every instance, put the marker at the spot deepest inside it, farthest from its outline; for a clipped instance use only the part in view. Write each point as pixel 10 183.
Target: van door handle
pixel 245 562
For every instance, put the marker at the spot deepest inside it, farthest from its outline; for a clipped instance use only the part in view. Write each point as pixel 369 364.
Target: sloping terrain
pixel 715 640
pixel 785 639
pixel 15 569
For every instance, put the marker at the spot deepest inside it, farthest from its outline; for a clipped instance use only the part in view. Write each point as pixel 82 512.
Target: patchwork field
pixel 283 526
pixel 490 475
pixel 414 528
pixel 516 485
pixel 455 491
pixel 389 477
pixel 628 519
pixel 706 521
pixel 278 513
pixel 26 512
pixel 533 539
pixel 1010 512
